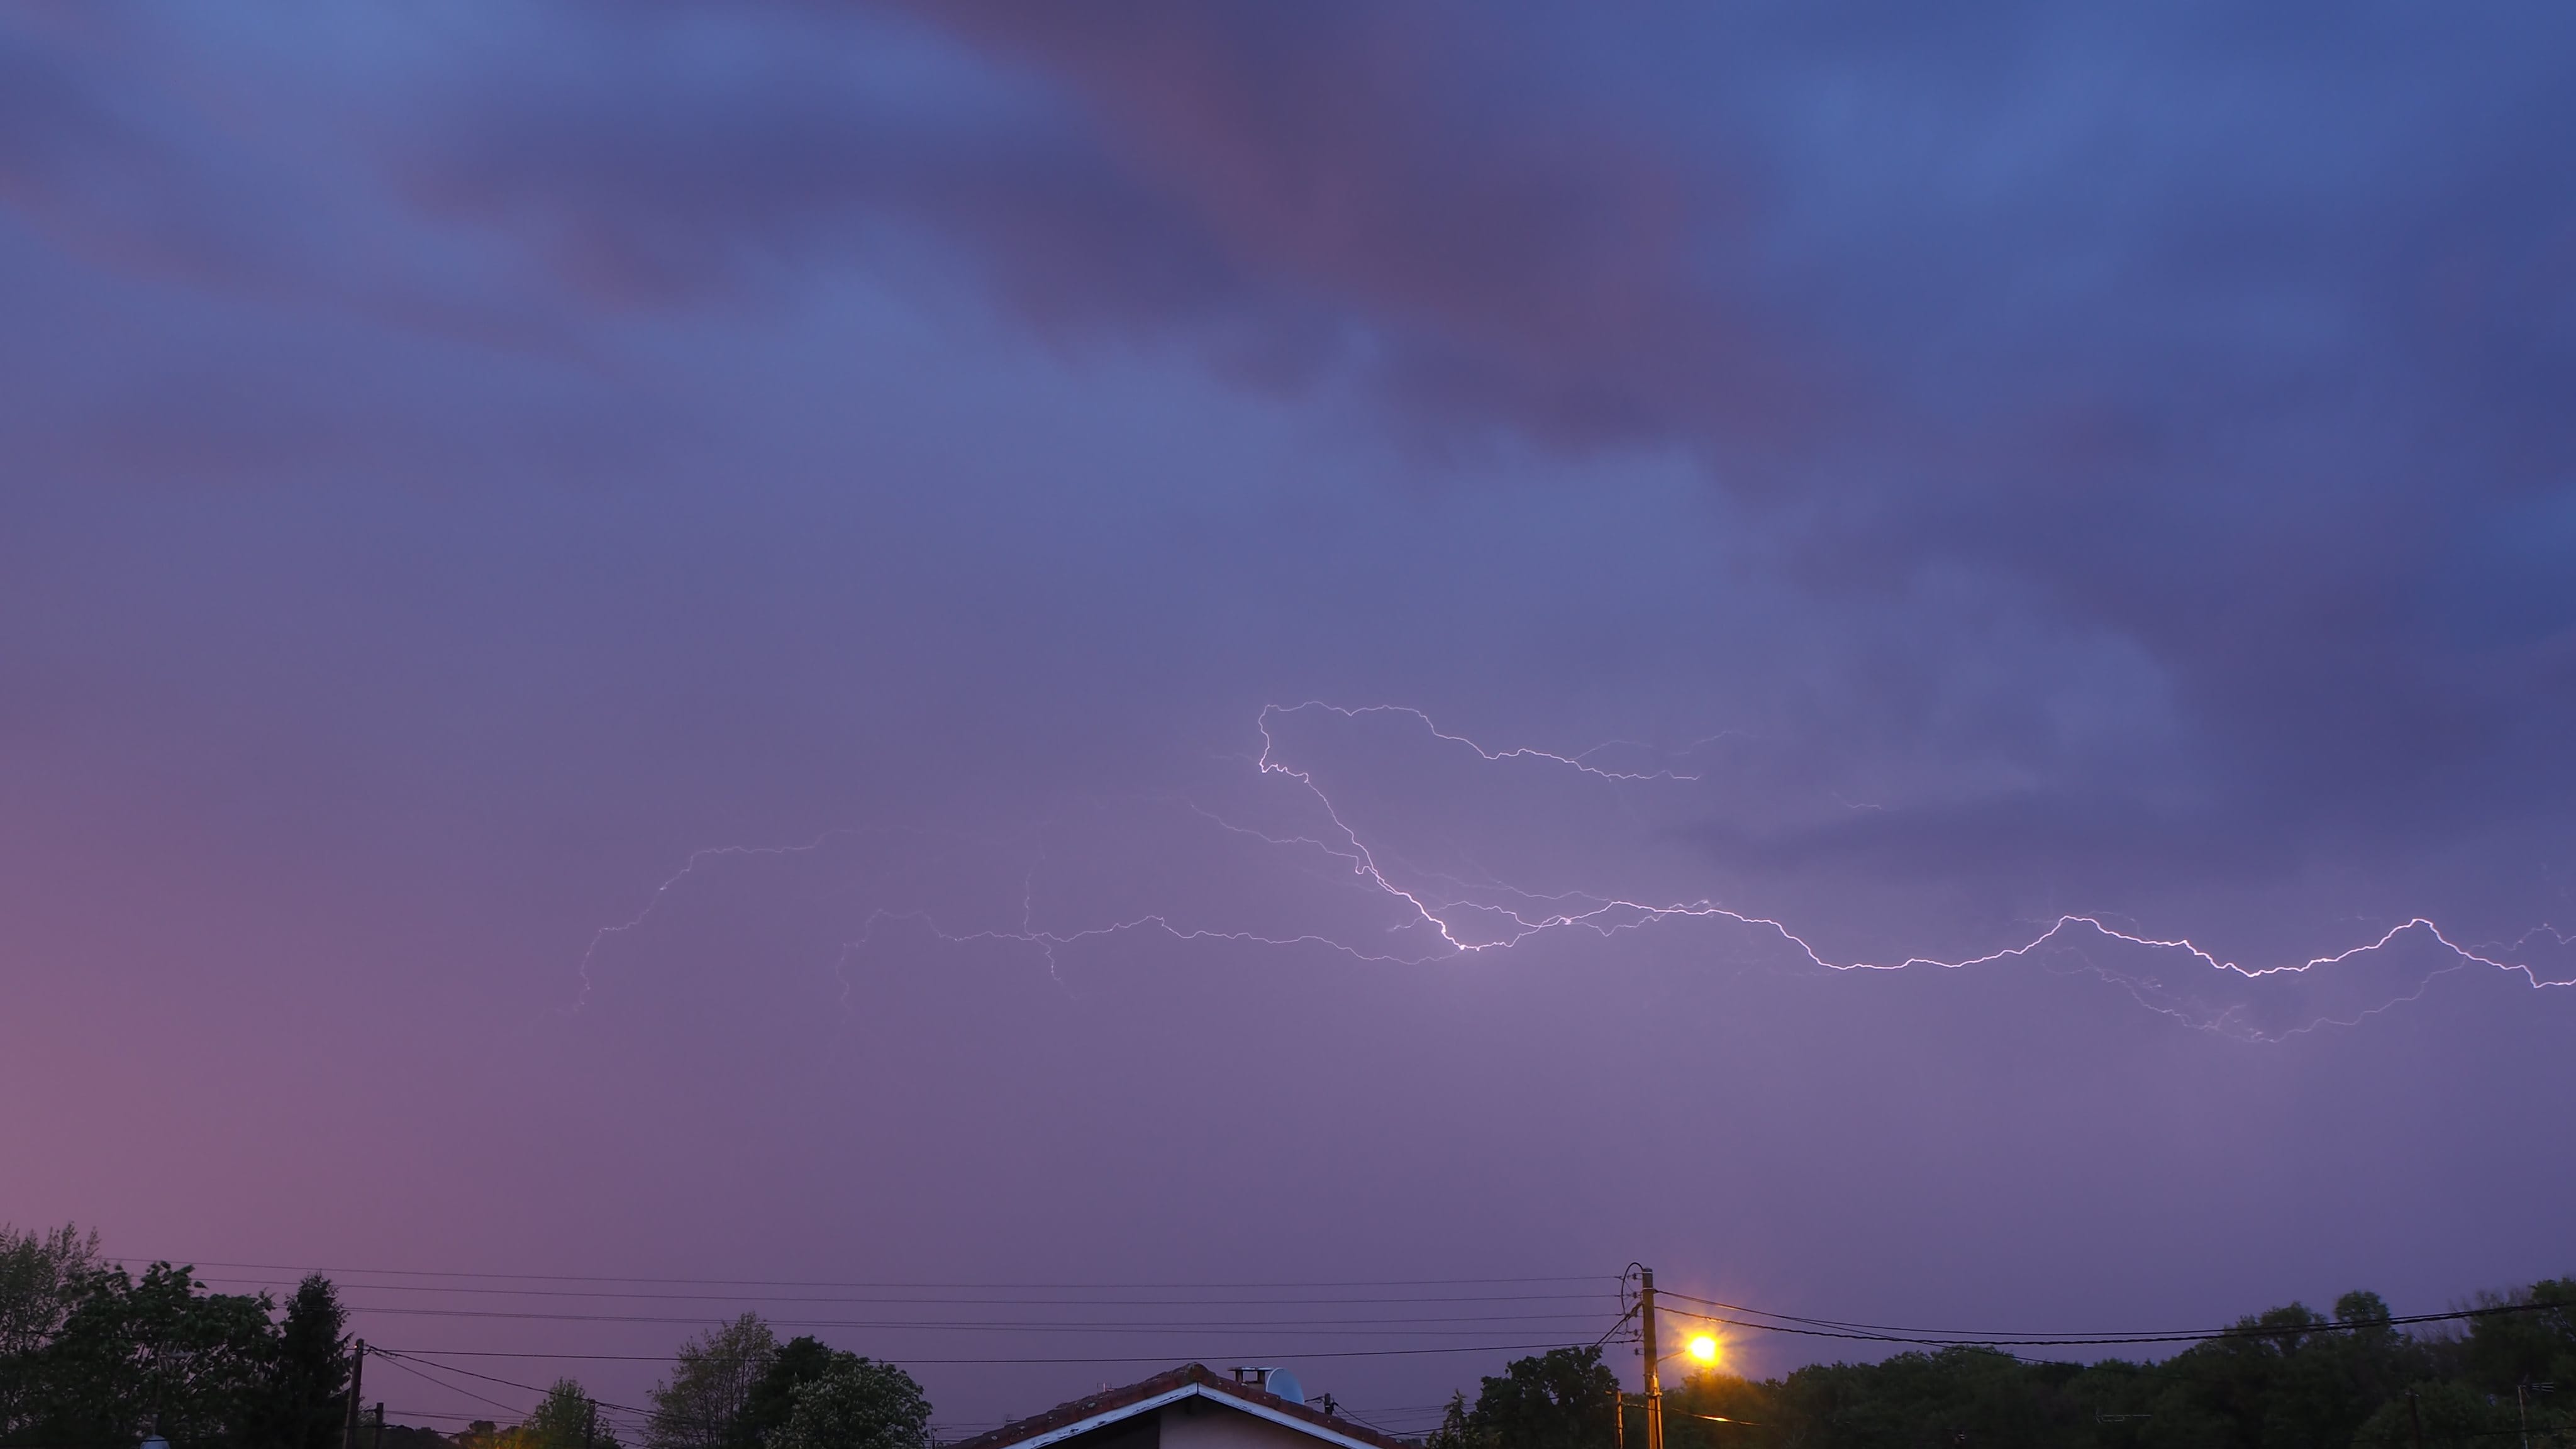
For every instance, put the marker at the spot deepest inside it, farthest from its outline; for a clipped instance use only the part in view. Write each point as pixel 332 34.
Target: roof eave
pixel 1174 1396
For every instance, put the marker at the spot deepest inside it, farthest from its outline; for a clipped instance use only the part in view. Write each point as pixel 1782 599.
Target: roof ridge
pixel 1107 1403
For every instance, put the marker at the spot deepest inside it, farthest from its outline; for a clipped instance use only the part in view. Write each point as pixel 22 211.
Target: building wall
pixel 1198 1423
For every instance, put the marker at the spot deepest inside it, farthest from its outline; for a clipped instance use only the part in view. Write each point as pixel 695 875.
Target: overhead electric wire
pixel 1751 1319
pixel 826 1283
pixel 1961 1334
pixel 1615 1327
pixel 433 1414
pixel 1935 1338
pixel 350 1286
pixel 485 1416
pixel 398 1362
pixel 631 1417
pixel 400 1354
pixel 1347 1412
pixel 984 1362
pixel 1356 1322
pixel 1378 1418
pixel 1230 1330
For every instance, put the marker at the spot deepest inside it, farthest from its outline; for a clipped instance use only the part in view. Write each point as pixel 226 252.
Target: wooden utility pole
pixel 1646 1347
pixel 357 1379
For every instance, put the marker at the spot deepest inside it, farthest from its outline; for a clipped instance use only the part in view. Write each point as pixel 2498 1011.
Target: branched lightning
pixel 688 868
pixel 1269 711
pixel 1049 941
pixel 1434 908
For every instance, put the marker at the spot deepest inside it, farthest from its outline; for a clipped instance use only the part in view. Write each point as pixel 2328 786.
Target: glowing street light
pixel 1704 1348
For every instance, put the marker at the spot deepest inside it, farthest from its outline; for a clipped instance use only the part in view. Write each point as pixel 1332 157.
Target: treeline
pixel 2292 1378
pixel 735 1387
pixel 738 1387
pixel 92 1357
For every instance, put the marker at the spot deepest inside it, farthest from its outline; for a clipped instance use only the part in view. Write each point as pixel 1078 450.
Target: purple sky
pixel 1901 479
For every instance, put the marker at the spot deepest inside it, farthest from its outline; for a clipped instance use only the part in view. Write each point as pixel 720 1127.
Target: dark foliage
pixel 1561 1399
pixel 40 1276
pixel 800 1361
pixel 96 1357
pixel 856 1403
pixel 2291 1378
pixel 307 1400
pixel 158 1355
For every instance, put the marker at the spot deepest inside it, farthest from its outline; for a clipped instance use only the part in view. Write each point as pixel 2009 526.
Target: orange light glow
pixel 1704 1348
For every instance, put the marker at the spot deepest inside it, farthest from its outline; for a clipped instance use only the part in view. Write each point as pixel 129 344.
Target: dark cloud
pixel 2225 353
pixel 90 160
pixel 2241 342
pixel 1408 196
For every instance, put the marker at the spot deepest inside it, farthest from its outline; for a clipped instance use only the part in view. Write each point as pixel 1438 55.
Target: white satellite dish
pixel 1285 1385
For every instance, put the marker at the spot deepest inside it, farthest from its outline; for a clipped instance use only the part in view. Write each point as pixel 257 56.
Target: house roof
pixel 1192 1380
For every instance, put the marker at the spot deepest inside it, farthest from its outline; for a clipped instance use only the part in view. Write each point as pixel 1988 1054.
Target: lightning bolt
pixel 1577 762
pixel 1433 907
pixel 653 902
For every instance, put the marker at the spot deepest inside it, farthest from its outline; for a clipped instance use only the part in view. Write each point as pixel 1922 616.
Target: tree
pixel 800 1361
pixel 1561 1399
pixel 568 1418
pixel 2448 1415
pixel 857 1403
pixel 156 1355
pixel 39 1276
pixel 1459 1428
pixel 307 1398
pixel 1713 1409
pixel 2536 1344
pixel 38 1272
pixel 1930 1398
pixel 705 1403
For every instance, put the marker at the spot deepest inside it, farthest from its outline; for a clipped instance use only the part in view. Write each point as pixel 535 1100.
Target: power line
pixel 632 1418
pixel 1306 1329
pixel 1963 1335
pixel 397 1361
pixel 510 1383
pixel 1410 1300
pixel 825 1283
pixel 458 1415
pixel 1934 1338
pixel 1785 1323
pixel 537 1355
pixel 979 1362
